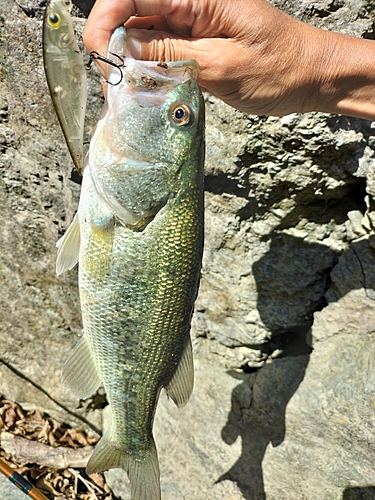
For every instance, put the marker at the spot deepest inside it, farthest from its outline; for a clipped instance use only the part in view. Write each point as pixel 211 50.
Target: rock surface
pixel 289 264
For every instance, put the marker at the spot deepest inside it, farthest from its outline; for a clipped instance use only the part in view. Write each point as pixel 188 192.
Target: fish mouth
pixel 146 74
pixel 151 74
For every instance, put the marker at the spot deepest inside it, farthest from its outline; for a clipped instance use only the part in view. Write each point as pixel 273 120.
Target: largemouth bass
pixel 138 235
pixel 66 75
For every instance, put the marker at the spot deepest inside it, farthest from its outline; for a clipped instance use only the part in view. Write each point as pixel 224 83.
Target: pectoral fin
pixel 79 372
pixel 181 385
pixel 68 248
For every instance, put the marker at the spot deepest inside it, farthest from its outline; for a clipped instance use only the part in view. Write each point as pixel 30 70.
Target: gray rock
pixel 302 427
pixel 288 263
pixel 39 314
pixel 328 447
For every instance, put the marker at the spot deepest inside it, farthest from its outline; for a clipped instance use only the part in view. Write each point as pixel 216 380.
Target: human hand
pixel 251 55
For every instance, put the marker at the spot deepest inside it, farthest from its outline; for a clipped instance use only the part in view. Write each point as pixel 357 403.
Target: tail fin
pixel 144 475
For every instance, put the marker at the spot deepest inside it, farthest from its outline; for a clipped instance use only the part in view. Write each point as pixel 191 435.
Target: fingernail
pixel 134 45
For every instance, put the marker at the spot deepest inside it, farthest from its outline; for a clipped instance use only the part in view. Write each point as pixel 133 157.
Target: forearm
pixel 347 76
pixel 307 69
pixel 325 71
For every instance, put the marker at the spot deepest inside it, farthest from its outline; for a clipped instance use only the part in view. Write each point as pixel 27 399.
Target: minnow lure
pixel 66 75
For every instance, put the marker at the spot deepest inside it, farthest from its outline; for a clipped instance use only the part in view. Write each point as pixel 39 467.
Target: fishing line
pixel 22 483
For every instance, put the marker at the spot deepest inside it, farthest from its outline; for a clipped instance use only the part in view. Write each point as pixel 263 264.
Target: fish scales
pixel 138 236
pixel 150 290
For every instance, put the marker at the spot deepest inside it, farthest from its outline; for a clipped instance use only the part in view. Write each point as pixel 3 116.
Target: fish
pixel 66 75
pixel 138 237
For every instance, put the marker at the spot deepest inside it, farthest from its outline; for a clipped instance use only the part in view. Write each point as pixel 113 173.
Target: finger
pixel 147 23
pixel 107 15
pixel 214 69
pixel 160 45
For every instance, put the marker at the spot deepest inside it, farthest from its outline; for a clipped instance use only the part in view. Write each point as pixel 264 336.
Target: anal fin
pixel 79 372
pixel 68 248
pixel 180 387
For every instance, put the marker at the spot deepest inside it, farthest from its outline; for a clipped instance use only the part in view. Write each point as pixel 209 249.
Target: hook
pixel 97 56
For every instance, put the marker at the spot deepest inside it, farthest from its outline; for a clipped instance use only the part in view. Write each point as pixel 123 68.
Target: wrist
pixel 345 76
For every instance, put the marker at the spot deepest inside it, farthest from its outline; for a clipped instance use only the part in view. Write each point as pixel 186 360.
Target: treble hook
pixel 96 55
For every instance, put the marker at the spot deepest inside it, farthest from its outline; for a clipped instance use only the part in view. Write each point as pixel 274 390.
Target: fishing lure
pixel 66 75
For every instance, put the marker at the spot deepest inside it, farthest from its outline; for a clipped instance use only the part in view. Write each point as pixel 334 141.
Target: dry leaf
pixel 42 449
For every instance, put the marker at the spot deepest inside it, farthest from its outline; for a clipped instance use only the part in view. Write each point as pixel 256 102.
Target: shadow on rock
pixel 292 281
pixel 289 289
pixel 84 5
pixel 266 394
pixel 356 271
pixel 365 493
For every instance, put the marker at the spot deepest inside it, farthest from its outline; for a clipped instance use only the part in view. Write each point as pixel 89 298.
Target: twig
pixel 89 485
pixel 28 451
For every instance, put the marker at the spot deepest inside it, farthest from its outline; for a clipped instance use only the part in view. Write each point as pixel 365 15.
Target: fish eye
pixel 54 20
pixel 181 114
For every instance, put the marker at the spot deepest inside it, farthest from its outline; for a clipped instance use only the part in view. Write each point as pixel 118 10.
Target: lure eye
pixel 181 114
pixel 54 20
